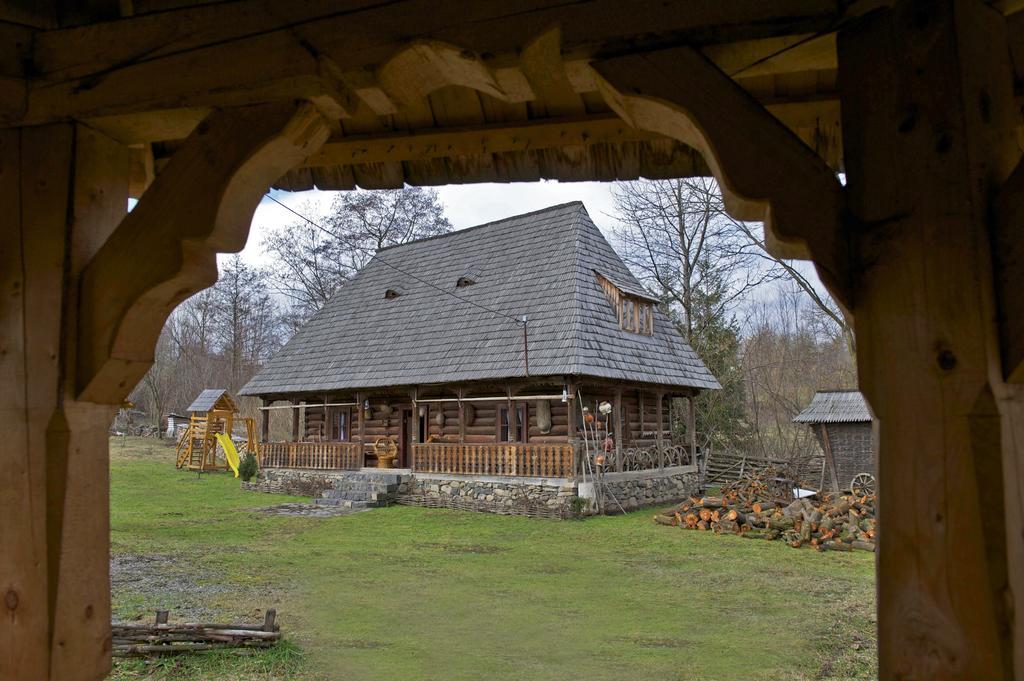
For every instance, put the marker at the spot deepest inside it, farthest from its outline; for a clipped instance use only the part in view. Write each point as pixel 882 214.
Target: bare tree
pixel 314 256
pixel 676 236
pixel 785 359
pixel 830 319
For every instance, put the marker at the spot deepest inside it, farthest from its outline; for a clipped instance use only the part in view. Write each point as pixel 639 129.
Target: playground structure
pixel 213 413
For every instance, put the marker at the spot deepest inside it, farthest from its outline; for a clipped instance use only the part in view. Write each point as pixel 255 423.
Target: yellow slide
pixel 230 453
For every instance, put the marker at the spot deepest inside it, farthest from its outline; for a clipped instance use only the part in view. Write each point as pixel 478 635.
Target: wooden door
pixel 405 438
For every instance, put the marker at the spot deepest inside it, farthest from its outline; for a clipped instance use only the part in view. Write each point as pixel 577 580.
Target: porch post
pixel 462 416
pixel 64 188
pixel 929 120
pixel 360 399
pixel 295 420
pixel 691 426
pixel 659 421
pixel 265 421
pixel 617 425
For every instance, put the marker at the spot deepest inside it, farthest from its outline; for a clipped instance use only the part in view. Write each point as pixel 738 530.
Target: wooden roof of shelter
pixel 447 108
pixel 213 398
pixel 835 406
pixel 541 265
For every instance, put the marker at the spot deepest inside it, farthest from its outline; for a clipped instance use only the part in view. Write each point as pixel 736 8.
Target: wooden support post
pixel 691 427
pixel 928 129
pixel 64 188
pixel 462 416
pixel 617 428
pixel 295 420
pixel 265 423
pixel 659 421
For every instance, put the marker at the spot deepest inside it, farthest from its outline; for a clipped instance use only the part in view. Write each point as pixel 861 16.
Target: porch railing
pixel 317 455
pixel 527 460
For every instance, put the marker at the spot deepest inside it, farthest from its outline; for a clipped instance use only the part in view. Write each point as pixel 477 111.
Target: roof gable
pixel 540 265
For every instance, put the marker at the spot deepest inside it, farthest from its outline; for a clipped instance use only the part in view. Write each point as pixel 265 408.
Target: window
pixel 634 311
pixel 463 282
pixel 391 294
pixel 340 424
pixel 521 425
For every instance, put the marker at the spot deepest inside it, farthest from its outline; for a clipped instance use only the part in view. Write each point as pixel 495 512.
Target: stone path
pixel 309 510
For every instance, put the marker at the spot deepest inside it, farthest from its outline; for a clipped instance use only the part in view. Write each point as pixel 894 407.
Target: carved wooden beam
pixel 165 249
pixel 765 171
pixel 239 53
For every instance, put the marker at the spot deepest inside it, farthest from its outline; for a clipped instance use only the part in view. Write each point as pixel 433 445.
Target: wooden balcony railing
pixel 318 455
pixel 529 460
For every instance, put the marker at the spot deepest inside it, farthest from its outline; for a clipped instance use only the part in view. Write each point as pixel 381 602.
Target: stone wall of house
pixel 637 489
pixel 552 498
pixel 300 482
pixel 852 449
pixel 504 495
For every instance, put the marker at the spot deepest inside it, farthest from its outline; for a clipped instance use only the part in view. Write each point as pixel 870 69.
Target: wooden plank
pixel 923 158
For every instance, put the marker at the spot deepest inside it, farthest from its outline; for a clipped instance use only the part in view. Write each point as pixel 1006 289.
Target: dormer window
pixel 633 307
pixel 391 294
pixel 463 282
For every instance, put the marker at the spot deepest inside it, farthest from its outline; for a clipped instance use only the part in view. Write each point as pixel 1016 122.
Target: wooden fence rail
pixel 317 455
pixel 528 460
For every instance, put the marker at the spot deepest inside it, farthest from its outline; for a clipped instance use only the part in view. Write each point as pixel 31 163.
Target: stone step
pixel 352 485
pixel 345 503
pixel 355 495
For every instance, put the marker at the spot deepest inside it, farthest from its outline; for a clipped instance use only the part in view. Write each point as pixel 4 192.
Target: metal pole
pixel 526 347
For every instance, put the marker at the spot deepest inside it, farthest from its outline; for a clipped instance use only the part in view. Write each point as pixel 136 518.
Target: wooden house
pixel 842 423
pixel 487 350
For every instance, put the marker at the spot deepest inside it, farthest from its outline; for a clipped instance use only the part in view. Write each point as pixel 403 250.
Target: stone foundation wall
pixel 636 489
pixel 299 482
pixel 508 496
pixel 505 495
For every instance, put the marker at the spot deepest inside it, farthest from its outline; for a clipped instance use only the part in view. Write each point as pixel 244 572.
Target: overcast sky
pixel 465 205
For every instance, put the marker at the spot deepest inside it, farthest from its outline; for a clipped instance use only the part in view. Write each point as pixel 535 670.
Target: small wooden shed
pixel 841 421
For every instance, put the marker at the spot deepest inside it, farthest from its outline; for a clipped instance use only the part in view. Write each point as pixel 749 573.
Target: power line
pixel 400 270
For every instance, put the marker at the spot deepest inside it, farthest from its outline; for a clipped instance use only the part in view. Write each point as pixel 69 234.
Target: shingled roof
pixel 540 264
pixel 835 406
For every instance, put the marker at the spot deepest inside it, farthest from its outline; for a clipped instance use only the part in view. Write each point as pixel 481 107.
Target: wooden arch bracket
pixel 165 249
pixel 765 171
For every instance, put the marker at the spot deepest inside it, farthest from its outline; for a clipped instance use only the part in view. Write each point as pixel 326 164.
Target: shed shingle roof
pixel 835 406
pixel 539 264
pixel 206 399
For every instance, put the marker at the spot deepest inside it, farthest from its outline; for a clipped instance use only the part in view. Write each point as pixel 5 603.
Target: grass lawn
pixel 417 594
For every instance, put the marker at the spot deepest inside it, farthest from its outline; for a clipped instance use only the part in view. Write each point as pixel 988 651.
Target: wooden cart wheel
pixel 863 484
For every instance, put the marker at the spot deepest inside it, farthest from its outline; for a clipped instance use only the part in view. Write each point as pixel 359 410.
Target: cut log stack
pixel 131 639
pixel 748 509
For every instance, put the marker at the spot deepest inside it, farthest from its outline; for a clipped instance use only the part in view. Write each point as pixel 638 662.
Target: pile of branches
pixel 757 507
pixel 160 638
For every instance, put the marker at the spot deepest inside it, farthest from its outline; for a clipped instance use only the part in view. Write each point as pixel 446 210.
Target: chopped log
pixel 736 516
pixel 863 545
pixel 664 519
pixel 712 502
pixel 705 515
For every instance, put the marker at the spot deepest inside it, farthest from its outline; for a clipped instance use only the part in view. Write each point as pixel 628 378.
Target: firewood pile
pixel 758 507
pixel 132 639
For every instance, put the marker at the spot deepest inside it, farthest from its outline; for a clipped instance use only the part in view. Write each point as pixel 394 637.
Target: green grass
pixel 420 594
